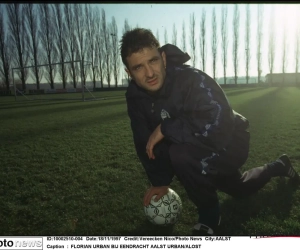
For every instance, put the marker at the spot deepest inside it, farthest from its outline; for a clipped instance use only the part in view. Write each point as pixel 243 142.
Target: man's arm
pixel 158 170
pixel 207 120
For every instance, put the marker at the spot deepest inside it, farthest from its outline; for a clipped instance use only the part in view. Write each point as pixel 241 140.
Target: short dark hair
pixel 136 39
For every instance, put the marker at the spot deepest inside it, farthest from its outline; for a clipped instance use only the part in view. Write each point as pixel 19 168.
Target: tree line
pixel 68 38
pixel 71 38
pixel 219 35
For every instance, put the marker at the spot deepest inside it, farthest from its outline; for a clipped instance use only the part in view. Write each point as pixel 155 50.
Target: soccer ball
pixel 166 211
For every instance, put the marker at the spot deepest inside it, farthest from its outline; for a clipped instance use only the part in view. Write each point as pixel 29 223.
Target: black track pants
pixel 198 172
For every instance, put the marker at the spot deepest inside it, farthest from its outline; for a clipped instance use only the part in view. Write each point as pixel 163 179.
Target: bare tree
pixel 91 36
pixel 236 20
pixel 82 41
pixel 271 51
pixel 259 39
pixel 126 28
pixel 107 48
pixel 19 37
pixel 214 44
pixel 115 50
pixel 5 49
pixel 183 38
pixel 166 36
pixel 284 51
pixel 174 36
pixel 100 52
pixel 224 36
pixel 247 42
pixel 193 38
pixel 60 28
pixel 203 39
pixel 32 25
pixel 48 38
pixel 157 35
pixel 72 46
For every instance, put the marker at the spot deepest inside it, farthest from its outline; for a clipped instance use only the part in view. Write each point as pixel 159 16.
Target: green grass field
pixel 70 168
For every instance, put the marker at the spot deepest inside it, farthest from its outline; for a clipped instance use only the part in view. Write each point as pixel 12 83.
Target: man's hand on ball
pixel 158 191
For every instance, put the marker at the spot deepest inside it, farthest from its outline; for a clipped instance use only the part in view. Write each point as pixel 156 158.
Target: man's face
pixel 147 68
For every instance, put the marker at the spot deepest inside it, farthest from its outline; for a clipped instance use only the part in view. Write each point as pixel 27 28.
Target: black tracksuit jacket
pixel 191 108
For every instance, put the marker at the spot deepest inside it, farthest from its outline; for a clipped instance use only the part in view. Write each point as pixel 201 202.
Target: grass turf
pixel 70 168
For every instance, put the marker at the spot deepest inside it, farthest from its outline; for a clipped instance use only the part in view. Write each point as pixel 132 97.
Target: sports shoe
pixel 289 170
pixel 203 230
pixel 283 167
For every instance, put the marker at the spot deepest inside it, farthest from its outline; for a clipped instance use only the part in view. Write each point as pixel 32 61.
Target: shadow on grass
pixel 233 89
pixel 23 104
pixel 69 108
pixel 242 91
pixel 72 126
pixel 45 102
pixel 236 213
pixel 260 104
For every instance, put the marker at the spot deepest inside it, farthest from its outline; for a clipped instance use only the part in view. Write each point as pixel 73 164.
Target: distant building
pixel 283 79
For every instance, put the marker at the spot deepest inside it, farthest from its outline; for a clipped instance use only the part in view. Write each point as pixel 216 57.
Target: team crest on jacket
pixel 164 114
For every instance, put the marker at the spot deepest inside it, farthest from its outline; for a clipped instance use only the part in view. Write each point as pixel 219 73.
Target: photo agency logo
pixel 21 243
